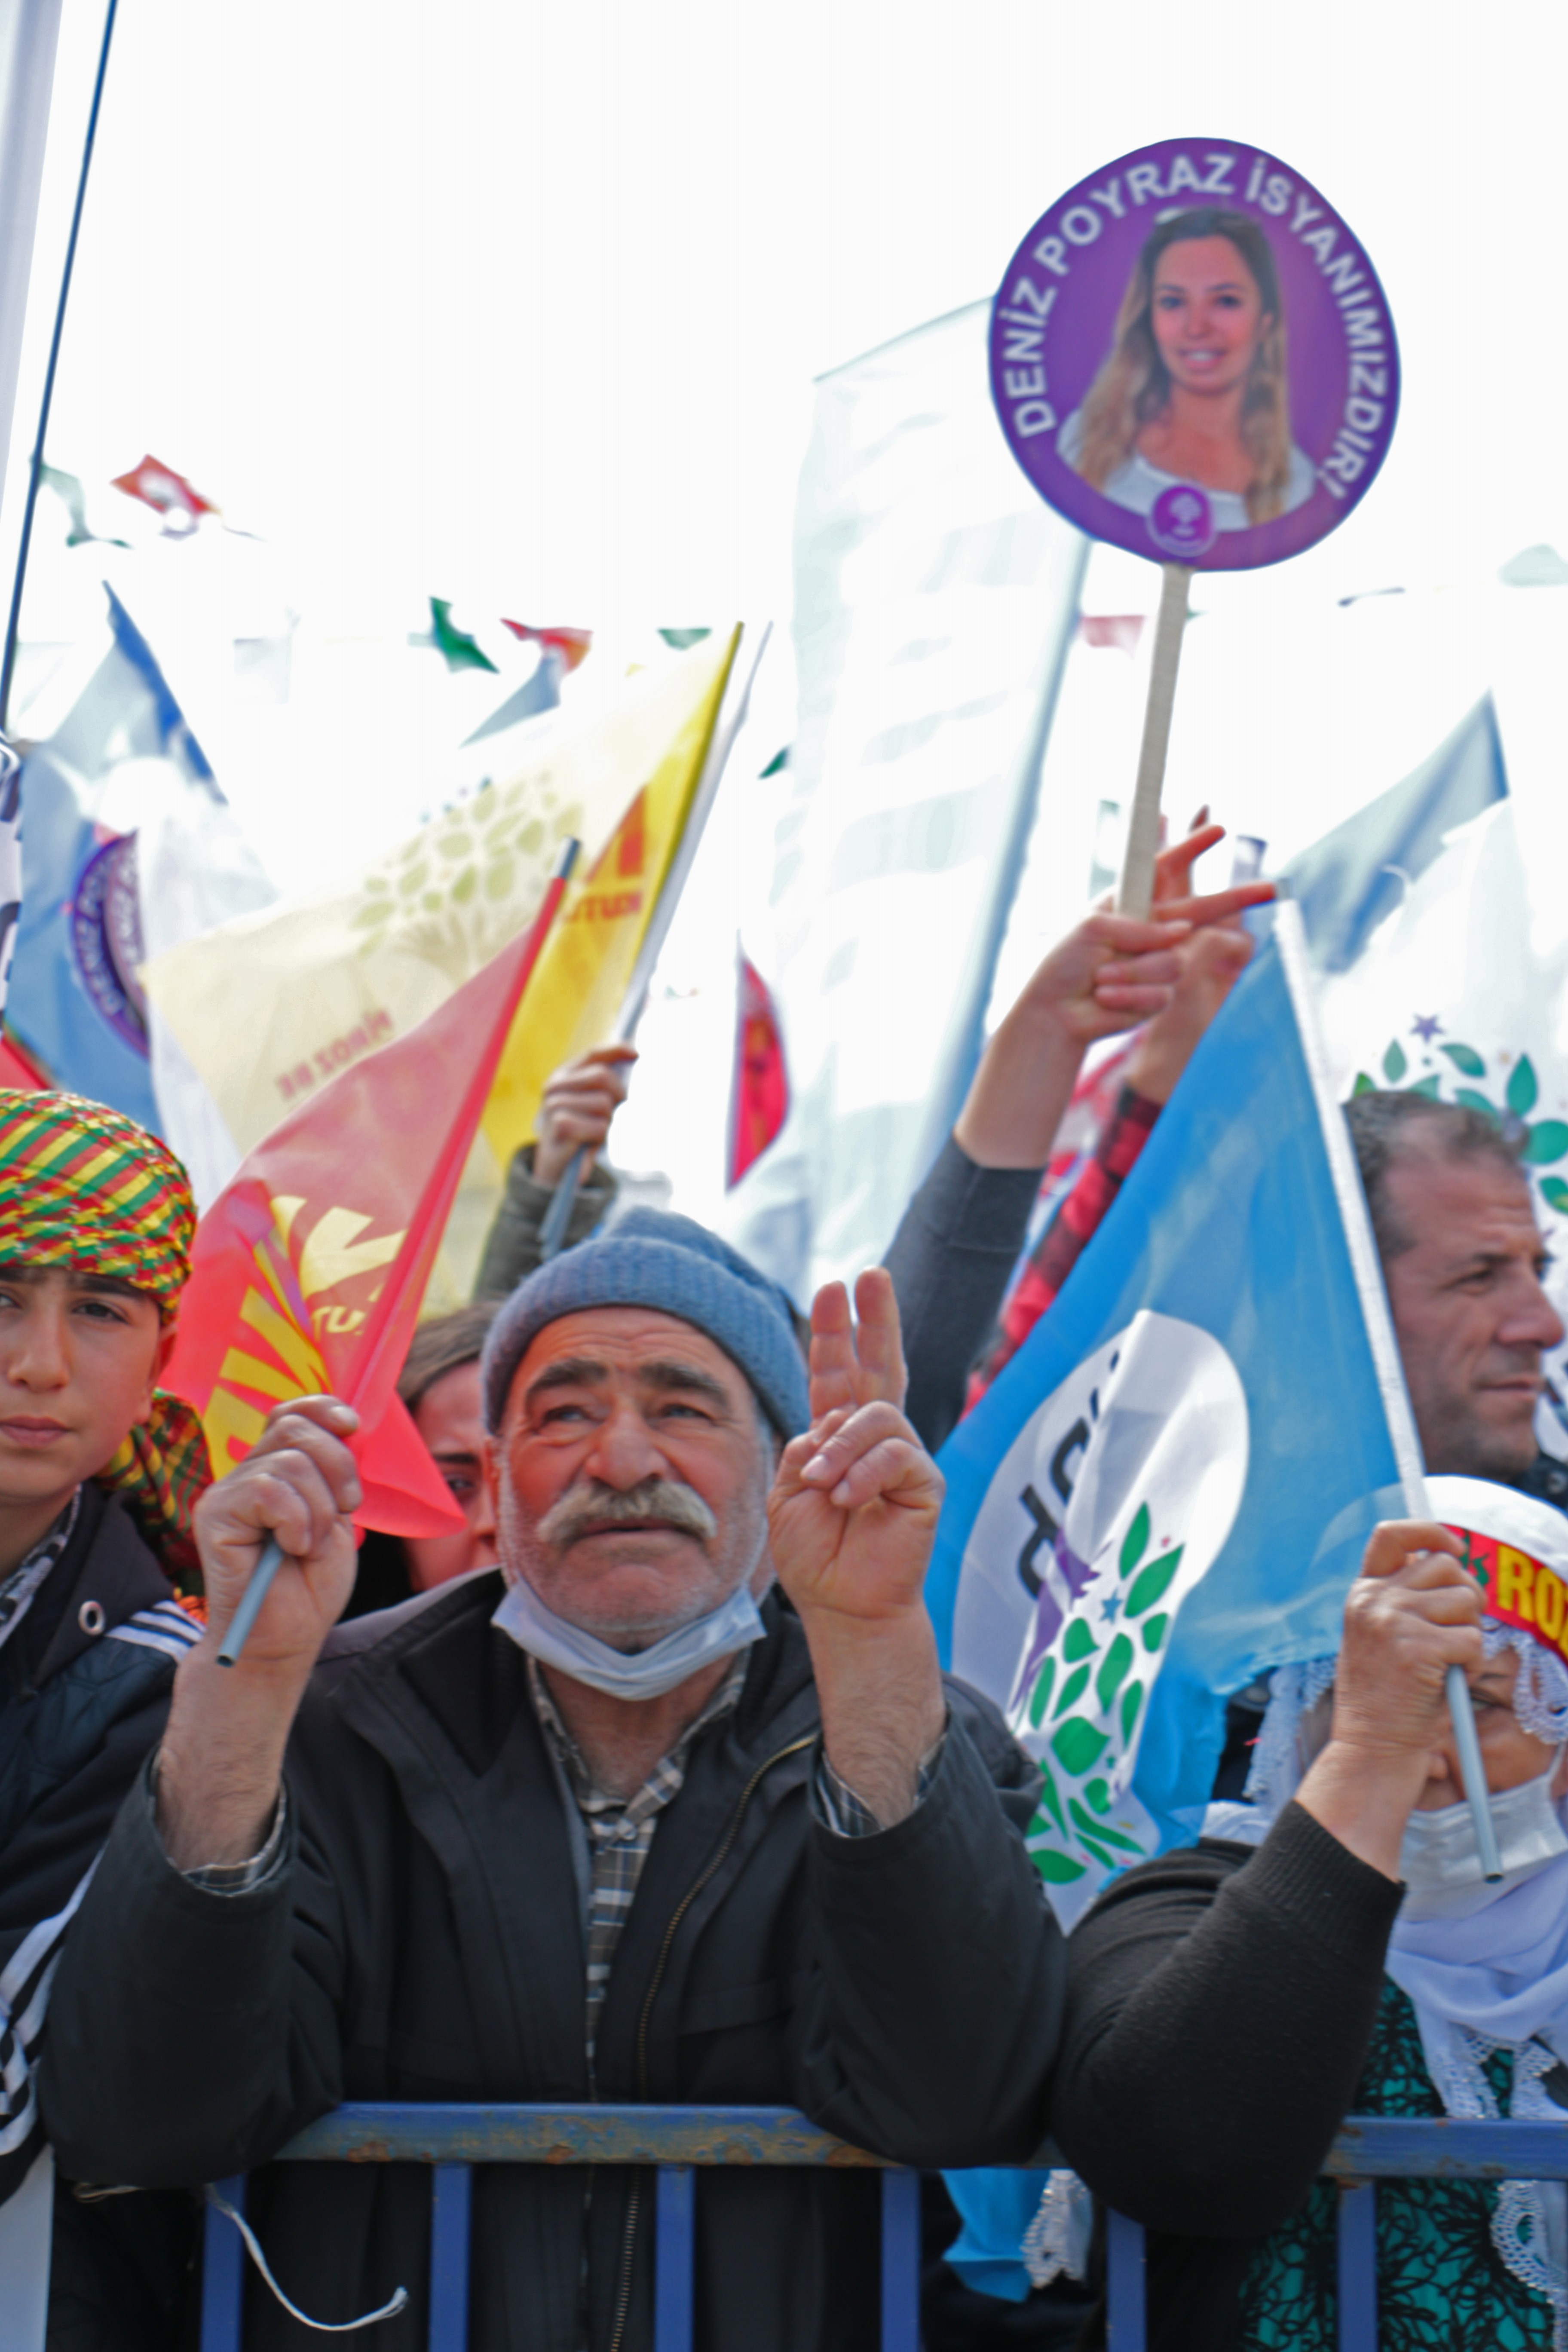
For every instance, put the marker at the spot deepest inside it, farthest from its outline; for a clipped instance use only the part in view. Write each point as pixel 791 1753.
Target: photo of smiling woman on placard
pixel 1194 389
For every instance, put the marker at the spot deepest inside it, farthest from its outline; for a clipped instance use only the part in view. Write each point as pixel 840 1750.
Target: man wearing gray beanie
pixel 673 1806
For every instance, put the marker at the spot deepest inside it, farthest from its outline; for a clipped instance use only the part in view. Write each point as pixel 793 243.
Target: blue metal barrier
pixel 682 2140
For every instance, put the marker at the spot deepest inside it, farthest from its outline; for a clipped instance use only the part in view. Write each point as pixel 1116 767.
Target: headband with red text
pixel 1521 1591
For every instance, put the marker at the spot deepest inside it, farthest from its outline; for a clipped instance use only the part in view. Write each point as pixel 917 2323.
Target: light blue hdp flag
pixel 75 998
pixel 1169 1488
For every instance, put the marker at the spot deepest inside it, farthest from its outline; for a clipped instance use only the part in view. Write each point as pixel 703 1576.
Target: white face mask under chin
pixel 647 1674
pixel 1438 1859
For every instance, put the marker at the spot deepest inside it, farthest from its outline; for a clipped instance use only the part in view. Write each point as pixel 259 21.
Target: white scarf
pixel 1490 1972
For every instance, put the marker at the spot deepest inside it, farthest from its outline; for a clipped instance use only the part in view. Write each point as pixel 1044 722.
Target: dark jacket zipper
pixel 677 1915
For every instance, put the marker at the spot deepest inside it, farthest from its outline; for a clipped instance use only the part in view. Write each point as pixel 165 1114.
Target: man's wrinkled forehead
pixel 1453 1205
pixel 599 1345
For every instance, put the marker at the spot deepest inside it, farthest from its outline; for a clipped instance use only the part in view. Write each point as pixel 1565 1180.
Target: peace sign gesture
pixel 852 1366
pixel 854 1508
pixel 851 1521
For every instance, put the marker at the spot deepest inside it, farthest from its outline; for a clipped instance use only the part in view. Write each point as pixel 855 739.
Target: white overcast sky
pixel 523 301
pixel 521 304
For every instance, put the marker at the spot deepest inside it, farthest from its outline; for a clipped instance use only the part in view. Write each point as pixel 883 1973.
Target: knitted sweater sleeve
pixel 511 1247
pixel 1220 2002
pixel 951 1257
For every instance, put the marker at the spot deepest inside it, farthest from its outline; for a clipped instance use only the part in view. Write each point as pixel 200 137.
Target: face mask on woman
pixel 1438 1851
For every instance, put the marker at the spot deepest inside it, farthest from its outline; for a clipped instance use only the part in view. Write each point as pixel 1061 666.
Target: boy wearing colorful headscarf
pixel 98 1471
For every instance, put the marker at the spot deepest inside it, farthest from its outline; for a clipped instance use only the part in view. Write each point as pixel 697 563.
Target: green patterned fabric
pixel 1441 2284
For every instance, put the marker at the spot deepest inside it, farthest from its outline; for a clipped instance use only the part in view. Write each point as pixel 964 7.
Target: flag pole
pixel 1135 891
pixel 731 717
pixel 35 469
pixel 1367 1271
pixel 271 1555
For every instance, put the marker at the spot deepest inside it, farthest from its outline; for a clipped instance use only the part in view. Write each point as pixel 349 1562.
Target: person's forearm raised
pixel 1021 1090
pixel 220 1763
pixel 879 1687
pixel 1109 974
pixel 1412 1613
pixel 851 1520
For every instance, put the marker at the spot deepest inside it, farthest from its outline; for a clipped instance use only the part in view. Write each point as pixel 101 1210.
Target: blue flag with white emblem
pixel 1169 1488
pixel 76 997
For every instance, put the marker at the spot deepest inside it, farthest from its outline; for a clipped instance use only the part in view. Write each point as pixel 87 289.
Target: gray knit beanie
pixel 653 1259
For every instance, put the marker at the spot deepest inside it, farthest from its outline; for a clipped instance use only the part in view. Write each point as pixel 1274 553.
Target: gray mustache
pixel 662 1499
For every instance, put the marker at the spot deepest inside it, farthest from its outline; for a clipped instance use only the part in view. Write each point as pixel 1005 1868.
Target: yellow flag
pixel 587 962
pixel 268 1007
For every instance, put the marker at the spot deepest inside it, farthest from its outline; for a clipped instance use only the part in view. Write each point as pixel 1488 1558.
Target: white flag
pixel 1463 994
pixel 934 601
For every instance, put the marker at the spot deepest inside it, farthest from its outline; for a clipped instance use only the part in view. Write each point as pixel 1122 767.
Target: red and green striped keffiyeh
pixel 80 1185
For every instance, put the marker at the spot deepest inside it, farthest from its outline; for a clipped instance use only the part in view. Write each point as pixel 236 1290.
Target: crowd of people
pixel 647 1786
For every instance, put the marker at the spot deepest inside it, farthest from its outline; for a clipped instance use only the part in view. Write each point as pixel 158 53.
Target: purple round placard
pixel 1277 418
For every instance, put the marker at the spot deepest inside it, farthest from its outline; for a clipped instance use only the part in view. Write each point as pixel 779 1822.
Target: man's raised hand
pixel 298 1484
pixel 854 1508
pixel 1109 974
pixel 579 1101
pixel 222 1750
pixel 850 1521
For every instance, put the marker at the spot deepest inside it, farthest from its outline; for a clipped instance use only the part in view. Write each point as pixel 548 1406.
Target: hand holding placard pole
pixel 1135 892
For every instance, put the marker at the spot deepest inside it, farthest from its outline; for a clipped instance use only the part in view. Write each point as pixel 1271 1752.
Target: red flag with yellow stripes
pixel 308 1271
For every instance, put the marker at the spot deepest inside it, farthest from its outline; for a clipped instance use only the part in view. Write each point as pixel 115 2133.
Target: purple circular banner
pixel 1192 358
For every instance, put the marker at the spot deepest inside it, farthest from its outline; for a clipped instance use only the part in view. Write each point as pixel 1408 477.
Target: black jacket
pixel 80 1704
pixel 1219 2007
pixel 84 1691
pixel 425 1943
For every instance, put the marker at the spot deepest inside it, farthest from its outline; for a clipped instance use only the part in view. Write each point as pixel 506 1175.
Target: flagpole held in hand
pixel 1366 1268
pixel 558 1216
pixel 1135 891
pixel 250 1601
pixel 1473 1772
pixel 430 1218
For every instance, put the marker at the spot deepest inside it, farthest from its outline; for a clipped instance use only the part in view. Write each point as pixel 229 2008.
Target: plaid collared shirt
pixel 620 1831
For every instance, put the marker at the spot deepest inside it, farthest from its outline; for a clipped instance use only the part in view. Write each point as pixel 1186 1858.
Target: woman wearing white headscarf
pixel 1330 1948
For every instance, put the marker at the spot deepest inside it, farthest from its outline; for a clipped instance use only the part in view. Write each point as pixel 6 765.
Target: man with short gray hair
pixel 675 1806
pixel 1464 1261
